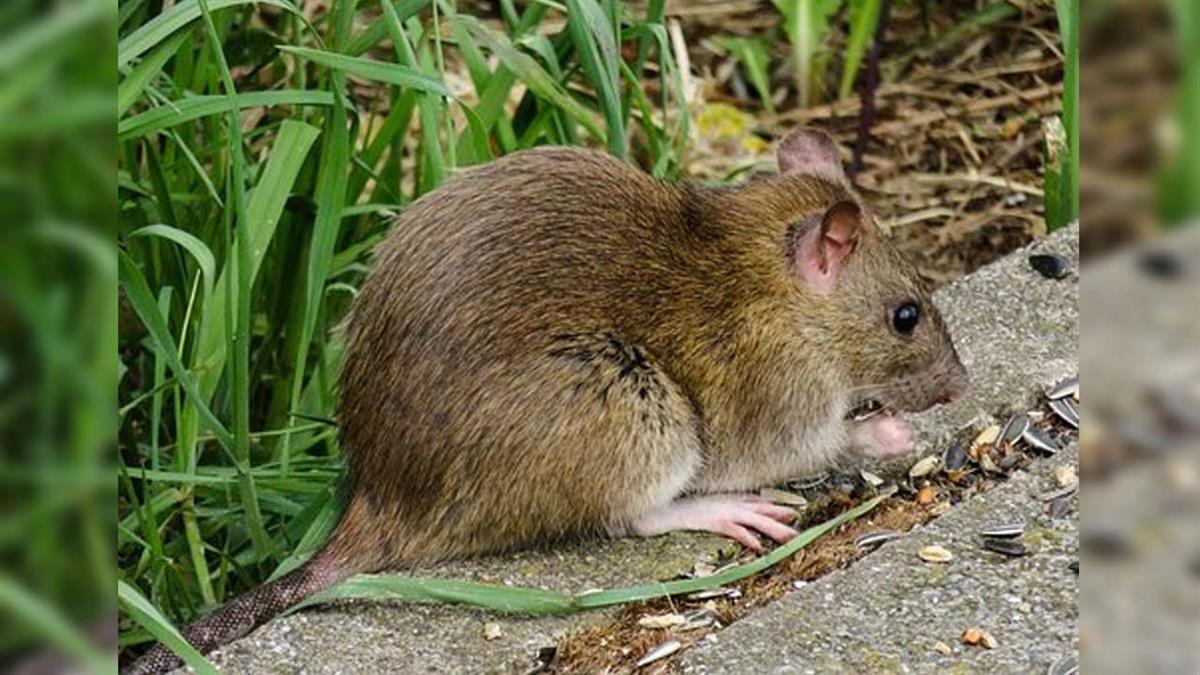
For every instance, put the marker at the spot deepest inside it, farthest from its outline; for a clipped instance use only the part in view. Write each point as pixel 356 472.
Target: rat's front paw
pixel 886 436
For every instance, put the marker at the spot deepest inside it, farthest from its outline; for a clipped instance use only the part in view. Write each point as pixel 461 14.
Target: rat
pixel 557 344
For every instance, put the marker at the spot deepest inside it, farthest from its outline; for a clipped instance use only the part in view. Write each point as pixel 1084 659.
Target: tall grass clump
pixel 57 331
pixel 261 156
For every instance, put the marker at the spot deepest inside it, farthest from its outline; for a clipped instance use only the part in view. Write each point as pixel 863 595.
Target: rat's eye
pixel 905 318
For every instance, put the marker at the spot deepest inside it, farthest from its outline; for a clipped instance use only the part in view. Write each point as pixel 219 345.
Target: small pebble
pixel 1065 476
pixel 935 554
pixel 942 648
pixel 492 631
pixel 1050 265
pixel 926 495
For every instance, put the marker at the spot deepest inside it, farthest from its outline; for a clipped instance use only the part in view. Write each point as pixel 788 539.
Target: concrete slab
pixel 1016 331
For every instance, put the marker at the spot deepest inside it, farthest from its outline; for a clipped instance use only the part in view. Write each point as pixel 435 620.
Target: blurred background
pixel 262 148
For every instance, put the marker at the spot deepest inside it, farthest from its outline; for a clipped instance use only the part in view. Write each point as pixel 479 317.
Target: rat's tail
pixel 247 611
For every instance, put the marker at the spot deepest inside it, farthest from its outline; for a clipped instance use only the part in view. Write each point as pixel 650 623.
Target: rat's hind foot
pixel 737 516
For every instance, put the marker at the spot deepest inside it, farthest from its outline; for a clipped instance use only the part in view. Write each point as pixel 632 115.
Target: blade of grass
pixel 135 82
pixel 147 615
pixel 864 17
pixel 238 288
pixel 1068 25
pixel 391 73
pixel 375 32
pixel 52 626
pixel 537 601
pixel 533 75
pixel 185 110
pixel 597 50
pixel 163 25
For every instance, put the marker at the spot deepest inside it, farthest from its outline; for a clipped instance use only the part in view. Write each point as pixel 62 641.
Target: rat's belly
pixel 738 464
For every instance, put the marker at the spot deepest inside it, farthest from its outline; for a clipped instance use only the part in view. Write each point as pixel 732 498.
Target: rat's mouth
pixel 868 409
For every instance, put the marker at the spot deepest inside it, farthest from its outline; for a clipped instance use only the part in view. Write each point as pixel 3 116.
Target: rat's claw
pixel 735 516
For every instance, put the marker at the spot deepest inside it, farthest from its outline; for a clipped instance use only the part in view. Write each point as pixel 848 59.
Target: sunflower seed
pixel 1038 440
pixel 1162 265
pixel 1004 531
pixel 1065 412
pixel 1015 427
pixel 955 458
pixel 871 479
pixel 660 621
pixel 783 497
pixel 715 593
pixel 985 439
pixel 660 652
pixel 876 538
pixel 1050 265
pixel 1067 665
pixel 1068 387
pixel 925 467
pixel 1010 461
pixel 935 554
pixel 1009 547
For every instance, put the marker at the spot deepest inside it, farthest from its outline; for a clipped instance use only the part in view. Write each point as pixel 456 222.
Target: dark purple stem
pixel 870 83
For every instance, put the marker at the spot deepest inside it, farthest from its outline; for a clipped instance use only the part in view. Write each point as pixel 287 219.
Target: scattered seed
pixel 876 538
pixel 871 479
pixel 492 631
pixel 661 621
pixel 1065 476
pixel 984 440
pixel 1038 440
pixel 1010 547
pixel 702 618
pixel 1065 412
pixel 942 648
pixel 1015 427
pixel 1162 265
pixel 986 463
pixel 926 495
pixel 731 593
pixel 783 497
pixel 546 659
pixel 1066 665
pixel 660 652
pixel 935 554
pixel 1050 265
pixel 925 466
pixel 1003 531
pixel 1068 387
pixel 955 458
pixel 1105 543
pixel 978 637
pixel 1010 461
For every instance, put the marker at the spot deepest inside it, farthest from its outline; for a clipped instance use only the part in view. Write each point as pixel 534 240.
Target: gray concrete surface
pixel 888 612
pixel 1016 331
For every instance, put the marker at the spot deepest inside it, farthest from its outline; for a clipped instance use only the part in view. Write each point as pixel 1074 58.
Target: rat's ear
pixel 811 152
pixel 819 253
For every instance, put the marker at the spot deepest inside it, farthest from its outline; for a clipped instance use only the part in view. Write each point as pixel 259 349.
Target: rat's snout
pixel 957 381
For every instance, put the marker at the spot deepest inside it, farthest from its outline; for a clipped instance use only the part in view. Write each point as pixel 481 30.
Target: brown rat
pixel 556 344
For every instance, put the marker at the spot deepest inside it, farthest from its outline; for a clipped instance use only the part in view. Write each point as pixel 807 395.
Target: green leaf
pixel 752 54
pixel 147 615
pixel 195 107
pixel 864 19
pixel 198 250
pixel 391 73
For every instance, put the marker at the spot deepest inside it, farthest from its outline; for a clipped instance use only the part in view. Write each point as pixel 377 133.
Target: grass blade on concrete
pixel 537 601
pixel 146 614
